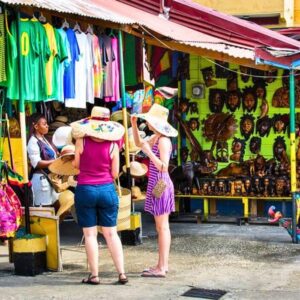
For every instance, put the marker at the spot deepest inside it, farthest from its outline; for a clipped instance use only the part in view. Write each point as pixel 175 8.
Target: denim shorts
pixel 96 205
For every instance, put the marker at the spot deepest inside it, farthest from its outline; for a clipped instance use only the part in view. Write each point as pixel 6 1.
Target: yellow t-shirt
pixel 53 50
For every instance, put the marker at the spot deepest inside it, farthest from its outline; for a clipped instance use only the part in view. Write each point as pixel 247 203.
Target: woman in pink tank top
pixel 96 200
pixel 158 148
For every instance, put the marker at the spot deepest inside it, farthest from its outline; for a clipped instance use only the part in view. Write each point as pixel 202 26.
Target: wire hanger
pixel 65 24
pixel 77 28
pixel 111 34
pixel 42 18
pixel 90 29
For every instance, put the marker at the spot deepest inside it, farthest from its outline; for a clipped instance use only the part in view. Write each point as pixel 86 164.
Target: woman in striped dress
pixel 158 148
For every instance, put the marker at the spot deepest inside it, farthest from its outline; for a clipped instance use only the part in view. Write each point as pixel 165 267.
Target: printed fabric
pixel 10 212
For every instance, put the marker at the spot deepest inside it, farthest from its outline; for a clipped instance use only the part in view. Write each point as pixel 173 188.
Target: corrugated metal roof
pixel 84 8
pixel 121 13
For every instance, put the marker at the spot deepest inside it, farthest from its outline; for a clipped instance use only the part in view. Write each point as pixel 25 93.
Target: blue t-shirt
pixel 69 76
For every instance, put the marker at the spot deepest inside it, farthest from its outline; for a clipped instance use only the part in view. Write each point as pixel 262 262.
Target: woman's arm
pixel 115 161
pixel 78 152
pixel 137 139
pixel 164 146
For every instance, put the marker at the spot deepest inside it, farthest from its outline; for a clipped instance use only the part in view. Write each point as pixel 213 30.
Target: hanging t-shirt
pixel 2 52
pixel 12 63
pixel 81 67
pixel 63 53
pixel 69 75
pixel 90 70
pixel 113 79
pixel 53 52
pixel 29 52
pixel 108 57
pixel 98 71
pixel 43 50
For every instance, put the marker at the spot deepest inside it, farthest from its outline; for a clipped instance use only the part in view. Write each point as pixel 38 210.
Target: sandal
pixel 153 274
pixel 123 280
pixel 153 269
pixel 89 280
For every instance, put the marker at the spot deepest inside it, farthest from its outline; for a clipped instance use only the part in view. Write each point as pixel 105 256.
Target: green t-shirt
pixel 29 52
pixel 58 66
pixel 43 52
pixel 2 52
pixel 12 64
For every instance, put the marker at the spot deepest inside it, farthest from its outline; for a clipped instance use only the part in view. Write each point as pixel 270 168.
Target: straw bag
pixel 124 211
pixel 160 186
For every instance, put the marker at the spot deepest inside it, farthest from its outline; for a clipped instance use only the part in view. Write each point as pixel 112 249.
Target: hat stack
pixel 136 169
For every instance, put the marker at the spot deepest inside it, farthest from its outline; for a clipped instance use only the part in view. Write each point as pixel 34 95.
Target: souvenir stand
pixel 160 32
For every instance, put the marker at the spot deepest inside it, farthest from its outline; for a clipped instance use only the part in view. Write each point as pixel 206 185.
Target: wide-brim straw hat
pixel 117 116
pixel 157 117
pixel 63 165
pixel 136 194
pixel 62 136
pixel 66 201
pixel 98 125
pixel 137 169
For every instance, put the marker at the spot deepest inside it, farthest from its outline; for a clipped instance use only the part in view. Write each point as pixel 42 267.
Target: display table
pixel 209 203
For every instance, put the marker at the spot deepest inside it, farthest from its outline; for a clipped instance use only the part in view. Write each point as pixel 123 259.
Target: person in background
pixel 158 148
pixel 96 200
pixel 41 154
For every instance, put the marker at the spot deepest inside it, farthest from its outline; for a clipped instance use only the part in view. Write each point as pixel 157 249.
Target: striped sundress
pixel 166 203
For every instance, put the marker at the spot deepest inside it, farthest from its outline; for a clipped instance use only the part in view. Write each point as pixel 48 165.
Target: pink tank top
pixel 95 163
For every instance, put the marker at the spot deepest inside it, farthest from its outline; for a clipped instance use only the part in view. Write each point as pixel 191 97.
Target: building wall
pixel 297 12
pixel 242 6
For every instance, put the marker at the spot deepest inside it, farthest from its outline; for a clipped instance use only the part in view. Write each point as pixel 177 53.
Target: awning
pixel 83 8
pixel 263 41
pixel 168 33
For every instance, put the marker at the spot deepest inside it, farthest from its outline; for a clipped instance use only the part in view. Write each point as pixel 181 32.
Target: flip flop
pixel 151 269
pixel 152 274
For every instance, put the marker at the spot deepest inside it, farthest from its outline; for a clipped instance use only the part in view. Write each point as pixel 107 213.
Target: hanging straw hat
pixel 66 201
pixel 136 169
pixel 157 116
pixel 98 125
pixel 136 194
pixel 117 116
pixel 62 136
pixel 63 164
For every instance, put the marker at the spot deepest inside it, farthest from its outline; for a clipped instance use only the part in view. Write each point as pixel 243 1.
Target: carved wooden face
pixel 247 126
pixel 249 102
pixel 263 126
pixel 233 101
pixel 194 124
pixel 246 73
pixel 255 144
pixel 216 100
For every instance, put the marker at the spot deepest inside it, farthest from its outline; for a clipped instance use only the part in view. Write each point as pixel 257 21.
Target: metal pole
pixel 124 110
pixel 293 155
pixel 23 127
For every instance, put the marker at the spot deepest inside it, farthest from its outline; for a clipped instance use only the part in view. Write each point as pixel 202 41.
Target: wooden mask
pixel 249 99
pixel 263 126
pixel 208 75
pixel 280 123
pixel 247 125
pixel 233 100
pixel 255 144
pixel 194 124
pixel 216 100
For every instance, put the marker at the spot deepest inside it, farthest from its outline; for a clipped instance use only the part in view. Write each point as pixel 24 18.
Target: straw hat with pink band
pixel 98 125
pixel 157 117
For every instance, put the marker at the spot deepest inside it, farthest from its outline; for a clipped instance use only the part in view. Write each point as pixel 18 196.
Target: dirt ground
pixel 248 262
